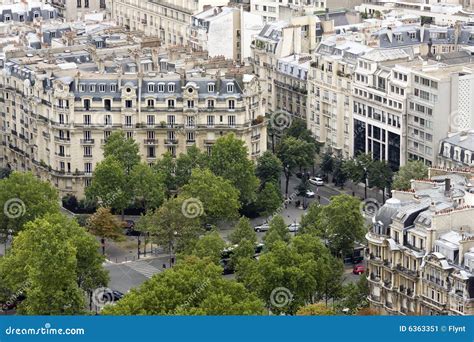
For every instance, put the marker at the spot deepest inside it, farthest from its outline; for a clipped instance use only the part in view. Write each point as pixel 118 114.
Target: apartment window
pixel 102 88
pixel 210 103
pixel 61 119
pixel 231 104
pixel 151 87
pixel 171 87
pixel 150 120
pixel 128 120
pixel 79 3
pixel 151 153
pixel 107 134
pixel 82 88
pixel 211 87
pixel 190 103
pixel 129 135
pixel 231 120
pixel 108 104
pixel 150 135
pixel 87 120
pixel 190 136
pixel 92 88
pixel 161 87
pixel 190 121
pixel 150 103
pixel 171 120
pixel 210 120
pixel 88 167
pixel 170 103
pixel 87 151
pixel 170 135
pixel 108 120
pixel 230 87
pixel 128 103
pixel 86 3
pixel 87 104
pixel 113 88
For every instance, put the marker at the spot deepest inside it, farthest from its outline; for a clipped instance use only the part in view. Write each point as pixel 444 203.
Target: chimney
pixel 327 14
pixel 430 46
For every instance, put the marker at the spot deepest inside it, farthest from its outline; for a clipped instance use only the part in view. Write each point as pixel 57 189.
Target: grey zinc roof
pixel 463 140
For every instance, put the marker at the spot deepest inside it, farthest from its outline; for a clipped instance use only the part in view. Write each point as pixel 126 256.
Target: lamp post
pixel 366 182
pixel 138 246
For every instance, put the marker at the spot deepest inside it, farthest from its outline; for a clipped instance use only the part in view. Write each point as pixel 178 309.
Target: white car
pixel 262 228
pixel 310 194
pixel 316 181
pixel 294 227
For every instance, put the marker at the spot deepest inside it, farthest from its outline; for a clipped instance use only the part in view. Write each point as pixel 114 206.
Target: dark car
pixel 227 267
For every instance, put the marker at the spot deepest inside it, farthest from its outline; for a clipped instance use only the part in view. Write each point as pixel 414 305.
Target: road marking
pixel 144 268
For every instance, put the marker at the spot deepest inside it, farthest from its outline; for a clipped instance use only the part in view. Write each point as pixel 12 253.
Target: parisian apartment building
pixel 59 105
pixel 421 249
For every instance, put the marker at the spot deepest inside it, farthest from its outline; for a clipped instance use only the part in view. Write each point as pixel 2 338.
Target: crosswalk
pixel 143 268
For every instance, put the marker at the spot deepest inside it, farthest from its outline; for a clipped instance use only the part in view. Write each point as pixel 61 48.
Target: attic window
pixel 230 87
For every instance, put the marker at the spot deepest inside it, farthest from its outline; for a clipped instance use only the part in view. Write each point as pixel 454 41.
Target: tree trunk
pixel 287 175
pixel 123 214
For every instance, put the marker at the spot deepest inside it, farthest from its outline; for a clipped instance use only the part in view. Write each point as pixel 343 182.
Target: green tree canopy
pixel 278 231
pixel 23 198
pixel 105 225
pixel 269 168
pixel 229 159
pixel 147 186
pixel 218 197
pixel 109 185
pixel 327 163
pixel 186 162
pixel 318 309
pixel 123 149
pixel 209 246
pixel 167 167
pixel 412 170
pixel 193 287
pixel 243 231
pixel 52 261
pixel 269 199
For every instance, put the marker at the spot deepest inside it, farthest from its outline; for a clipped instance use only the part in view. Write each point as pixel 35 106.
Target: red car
pixel 358 269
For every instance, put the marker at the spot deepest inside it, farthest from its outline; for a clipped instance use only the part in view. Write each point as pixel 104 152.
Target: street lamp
pixel 366 182
pixel 138 246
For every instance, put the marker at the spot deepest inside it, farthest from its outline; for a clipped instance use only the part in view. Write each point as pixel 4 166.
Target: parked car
pixel 132 232
pixel 358 269
pixel 262 228
pixel 310 194
pixel 294 227
pixel 316 181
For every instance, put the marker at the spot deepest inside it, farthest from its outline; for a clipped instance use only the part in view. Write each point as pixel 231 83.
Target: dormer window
pixel 171 87
pixel 211 87
pixel 151 87
pixel 92 88
pixel 102 88
pixel 230 87
pixel 161 87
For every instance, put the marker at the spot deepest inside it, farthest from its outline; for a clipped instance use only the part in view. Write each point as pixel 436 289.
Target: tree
pixel 354 296
pixel 209 246
pixel 52 261
pixel 167 167
pixel 218 197
pixel 104 225
pixel 357 169
pixel 310 222
pixel 269 168
pixel 193 287
pixel 342 224
pixel 186 162
pixel 23 198
pixel 289 275
pixel 269 199
pixel 299 130
pixel 109 185
pixel 244 252
pixel 317 309
pixel 243 231
pixel 412 170
pixel 327 163
pixel 172 226
pixel 295 153
pixel 339 174
pixel 367 312
pixel 123 149
pixel 278 231
pixel 229 160
pixel 380 175
pixel 147 186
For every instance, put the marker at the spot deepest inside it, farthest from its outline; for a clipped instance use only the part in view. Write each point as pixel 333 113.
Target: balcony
pixel 408 272
pixel 256 137
pixel 62 140
pixel 374 278
pixel 87 141
pixel 190 141
pixel 209 142
pixel 171 142
pixel 150 141
pixel 62 155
